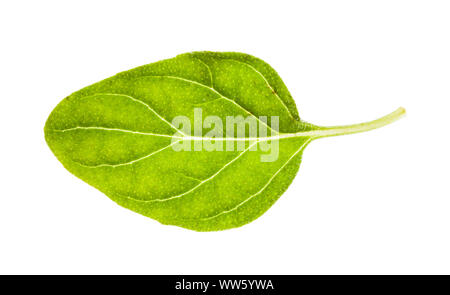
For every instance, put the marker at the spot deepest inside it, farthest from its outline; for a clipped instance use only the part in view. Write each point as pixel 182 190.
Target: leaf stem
pixel 362 127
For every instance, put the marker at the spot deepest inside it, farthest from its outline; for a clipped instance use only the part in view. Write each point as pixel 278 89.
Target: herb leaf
pixel 118 135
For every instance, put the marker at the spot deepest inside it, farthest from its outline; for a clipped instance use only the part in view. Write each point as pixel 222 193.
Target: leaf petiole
pixel 361 127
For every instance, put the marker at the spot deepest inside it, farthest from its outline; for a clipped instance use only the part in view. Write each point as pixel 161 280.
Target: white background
pixel 372 203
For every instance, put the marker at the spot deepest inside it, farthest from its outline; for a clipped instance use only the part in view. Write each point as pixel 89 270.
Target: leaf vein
pixel 267 83
pixel 113 129
pixel 129 162
pixel 209 70
pixel 144 104
pixel 198 185
pixel 217 92
pixel 261 190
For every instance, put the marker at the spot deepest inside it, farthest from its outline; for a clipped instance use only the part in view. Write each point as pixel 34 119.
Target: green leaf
pixel 118 135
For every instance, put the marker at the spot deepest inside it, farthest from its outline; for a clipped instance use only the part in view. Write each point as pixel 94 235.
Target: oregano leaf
pixel 125 136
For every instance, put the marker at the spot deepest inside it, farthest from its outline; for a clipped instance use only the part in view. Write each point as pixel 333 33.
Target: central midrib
pixel 200 138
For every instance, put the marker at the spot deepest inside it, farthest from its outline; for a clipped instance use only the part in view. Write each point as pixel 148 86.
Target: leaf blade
pixel 117 135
